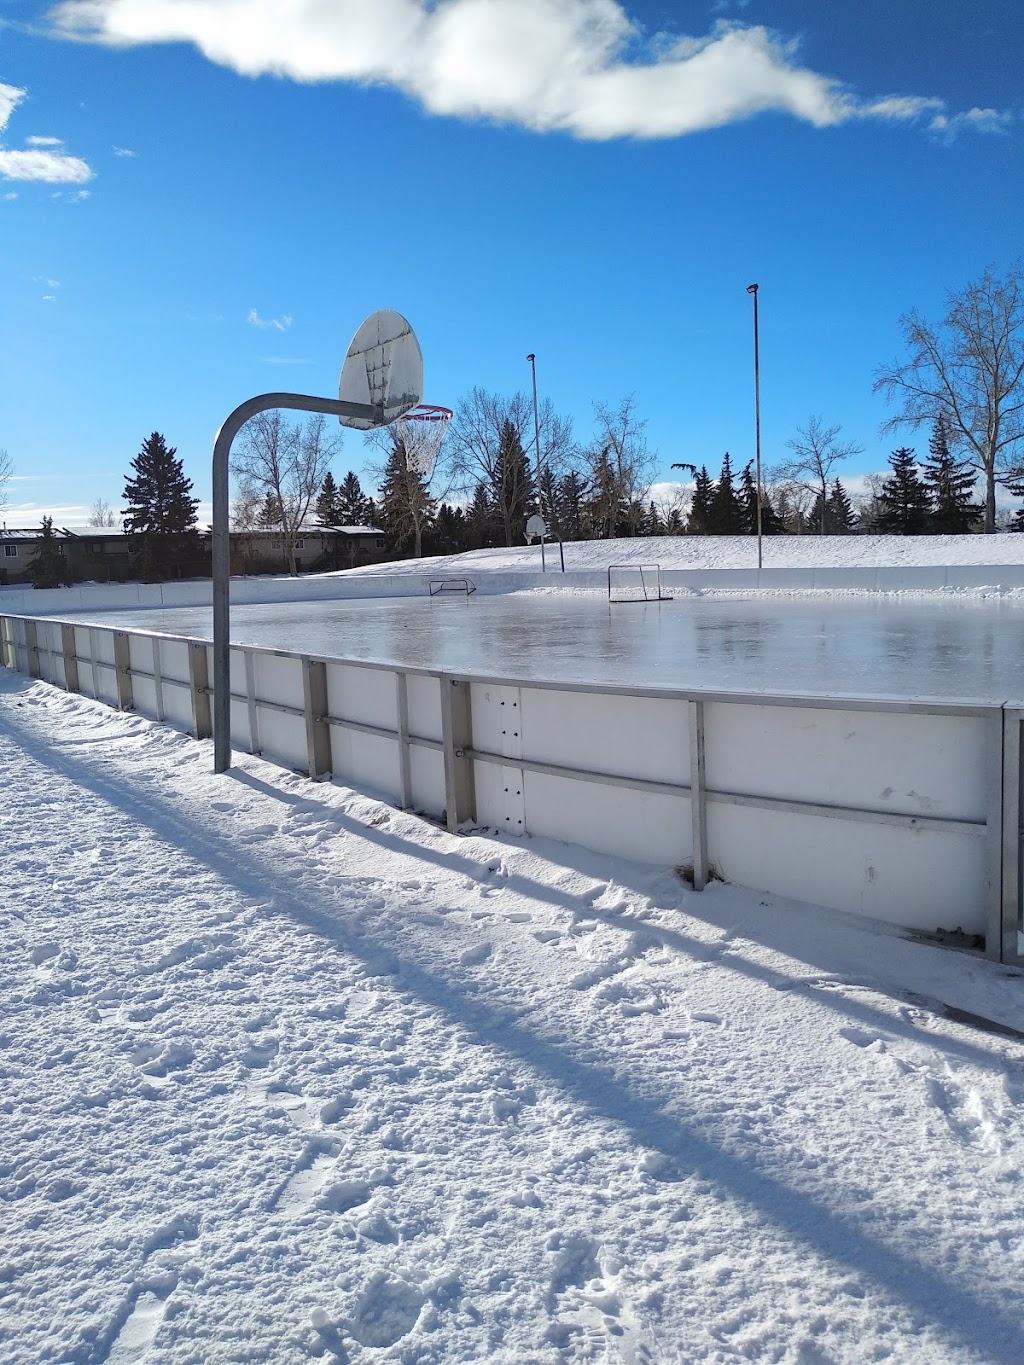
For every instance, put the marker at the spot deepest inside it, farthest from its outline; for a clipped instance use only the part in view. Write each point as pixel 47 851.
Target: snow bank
pixel 288 1074
pixel 968 564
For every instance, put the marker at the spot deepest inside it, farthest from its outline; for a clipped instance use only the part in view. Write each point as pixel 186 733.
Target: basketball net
pixel 421 431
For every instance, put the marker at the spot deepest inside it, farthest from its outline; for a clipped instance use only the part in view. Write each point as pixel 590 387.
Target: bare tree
pixel 286 463
pixel 620 446
pixel 486 427
pixel 969 370
pixel 101 513
pixel 816 450
pixel 6 474
pixel 870 505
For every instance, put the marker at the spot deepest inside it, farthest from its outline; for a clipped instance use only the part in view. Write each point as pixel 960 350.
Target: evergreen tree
pixel 550 509
pixel 903 499
pixel 46 567
pixel 481 520
pixel 771 522
pixel 353 504
pixel 326 507
pixel 674 523
pixel 406 509
pixel 269 517
pixel 699 520
pixel 602 508
pixel 748 502
pixel 448 533
pixel 513 489
pixel 161 516
pixel 572 494
pixel 653 525
pixel 839 514
pixel 725 511
pixel 791 520
pixel 950 484
pixel 1016 487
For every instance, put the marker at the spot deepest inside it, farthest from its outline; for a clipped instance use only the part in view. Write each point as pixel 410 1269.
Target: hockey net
pixel 635 583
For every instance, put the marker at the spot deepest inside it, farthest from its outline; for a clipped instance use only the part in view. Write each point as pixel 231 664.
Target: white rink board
pixel 626 735
pixel 628 824
pixel 920 879
pixel 914 764
pixel 869 769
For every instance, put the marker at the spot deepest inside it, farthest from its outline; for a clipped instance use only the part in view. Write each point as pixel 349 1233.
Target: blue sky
pixel 201 201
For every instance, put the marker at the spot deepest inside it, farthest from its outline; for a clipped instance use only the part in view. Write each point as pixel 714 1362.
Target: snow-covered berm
pixel 288 1074
pixel 731 552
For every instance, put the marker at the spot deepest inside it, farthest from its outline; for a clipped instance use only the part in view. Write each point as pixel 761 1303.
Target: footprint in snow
pixel 43 953
pixel 861 1038
pixel 136 1326
pixel 387 1310
pixel 312 1185
pixel 473 957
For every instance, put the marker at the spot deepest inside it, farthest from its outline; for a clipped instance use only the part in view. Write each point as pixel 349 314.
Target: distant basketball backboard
pixel 383 368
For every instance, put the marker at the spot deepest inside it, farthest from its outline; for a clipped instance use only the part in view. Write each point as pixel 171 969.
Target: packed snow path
pixel 287 1074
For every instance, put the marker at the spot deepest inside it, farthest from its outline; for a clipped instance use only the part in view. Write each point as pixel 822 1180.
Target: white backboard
pixel 384 368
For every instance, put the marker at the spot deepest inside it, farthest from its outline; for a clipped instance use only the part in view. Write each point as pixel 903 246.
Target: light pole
pixel 536 439
pixel 752 289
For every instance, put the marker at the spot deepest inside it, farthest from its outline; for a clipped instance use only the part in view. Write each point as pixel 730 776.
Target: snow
pixel 728 552
pixel 289 1074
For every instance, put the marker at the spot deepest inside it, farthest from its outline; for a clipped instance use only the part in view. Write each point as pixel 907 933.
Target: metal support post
pixel 1010 937
pixel 698 797
pixel 123 671
pixel 67 644
pixel 158 680
pixel 404 752
pixel 250 701
pixel 314 708
pixel 32 650
pixel 199 689
pixel 457 741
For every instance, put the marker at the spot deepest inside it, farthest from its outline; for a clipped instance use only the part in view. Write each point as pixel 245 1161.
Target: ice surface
pixel 854 647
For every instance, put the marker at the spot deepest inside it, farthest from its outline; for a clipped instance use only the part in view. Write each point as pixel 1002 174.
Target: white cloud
pixel 39 161
pixel 10 97
pixel 972 120
pixel 280 324
pixel 50 167
pixel 125 151
pixel 582 66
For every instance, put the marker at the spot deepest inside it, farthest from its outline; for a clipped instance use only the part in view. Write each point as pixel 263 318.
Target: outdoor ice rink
pixel 966 650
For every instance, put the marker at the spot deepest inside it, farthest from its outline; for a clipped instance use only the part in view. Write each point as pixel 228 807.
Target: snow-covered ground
pixel 731 552
pixel 288 1074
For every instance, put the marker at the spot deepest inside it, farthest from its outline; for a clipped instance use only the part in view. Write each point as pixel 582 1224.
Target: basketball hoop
pixel 422 430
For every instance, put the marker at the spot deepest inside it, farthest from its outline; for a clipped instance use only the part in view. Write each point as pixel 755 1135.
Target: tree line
pixel 962 379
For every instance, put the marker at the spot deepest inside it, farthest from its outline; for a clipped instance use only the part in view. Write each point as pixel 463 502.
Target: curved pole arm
pixel 221 681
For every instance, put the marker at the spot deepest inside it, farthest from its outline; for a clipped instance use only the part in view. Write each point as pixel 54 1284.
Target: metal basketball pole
pixel 221 681
pixel 536 440
pixel 752 289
